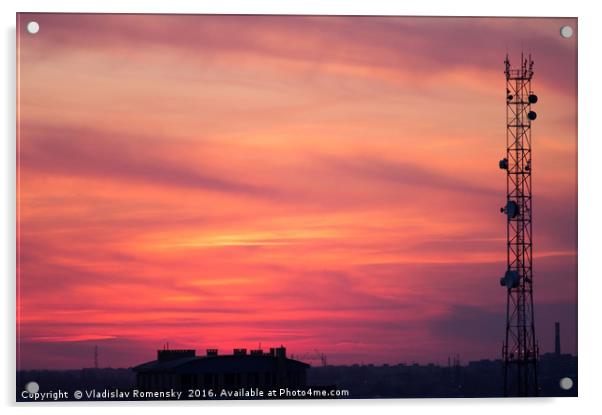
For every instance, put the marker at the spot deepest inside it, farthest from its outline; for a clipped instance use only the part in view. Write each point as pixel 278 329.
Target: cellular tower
pixel 520 350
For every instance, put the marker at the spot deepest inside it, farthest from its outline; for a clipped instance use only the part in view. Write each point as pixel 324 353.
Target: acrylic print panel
pixel 231 207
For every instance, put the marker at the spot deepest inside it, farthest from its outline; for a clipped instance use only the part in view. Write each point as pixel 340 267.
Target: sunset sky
pixel 324 183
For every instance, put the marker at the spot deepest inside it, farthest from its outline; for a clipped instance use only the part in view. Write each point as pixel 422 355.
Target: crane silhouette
pixel 311 356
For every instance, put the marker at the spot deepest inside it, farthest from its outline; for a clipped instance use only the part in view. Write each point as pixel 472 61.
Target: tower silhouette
pixel 520 350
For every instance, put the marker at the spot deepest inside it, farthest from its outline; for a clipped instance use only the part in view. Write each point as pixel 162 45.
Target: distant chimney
pixel 211 352
pixel 557 343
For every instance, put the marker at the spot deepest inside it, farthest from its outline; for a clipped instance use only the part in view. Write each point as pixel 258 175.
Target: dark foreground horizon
pixel 481 378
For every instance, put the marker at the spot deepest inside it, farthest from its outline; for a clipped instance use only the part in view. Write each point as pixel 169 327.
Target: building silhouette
pixel 183 370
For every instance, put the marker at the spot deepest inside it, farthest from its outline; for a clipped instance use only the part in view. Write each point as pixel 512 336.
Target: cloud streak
pixel 87 152
pixel 418 45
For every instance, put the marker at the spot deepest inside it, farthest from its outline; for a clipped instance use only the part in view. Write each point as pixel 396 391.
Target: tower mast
pixel 520 350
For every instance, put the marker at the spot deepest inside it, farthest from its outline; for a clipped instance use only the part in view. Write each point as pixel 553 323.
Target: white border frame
pixel 590 200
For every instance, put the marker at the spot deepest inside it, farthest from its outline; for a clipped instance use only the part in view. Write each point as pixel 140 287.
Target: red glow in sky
pixel 324 183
